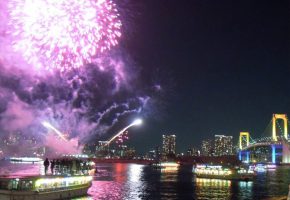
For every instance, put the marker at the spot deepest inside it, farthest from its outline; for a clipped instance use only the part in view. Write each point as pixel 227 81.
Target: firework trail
pixel 136 122
pixel 62 34
pixel 49 126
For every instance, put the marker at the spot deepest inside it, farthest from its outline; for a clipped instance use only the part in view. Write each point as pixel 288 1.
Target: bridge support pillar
pixel 247 157
pixel 285 152
pixel 285 120
pixel 240 155
pixel 273 154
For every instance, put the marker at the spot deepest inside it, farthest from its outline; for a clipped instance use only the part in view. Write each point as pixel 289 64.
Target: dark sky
pixel 223 65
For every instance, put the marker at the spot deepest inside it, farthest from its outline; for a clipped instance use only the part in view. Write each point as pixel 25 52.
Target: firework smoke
pixel 97 99
pixel 81 107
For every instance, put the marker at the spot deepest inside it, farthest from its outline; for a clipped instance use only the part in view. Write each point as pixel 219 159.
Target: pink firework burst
pixel 63 34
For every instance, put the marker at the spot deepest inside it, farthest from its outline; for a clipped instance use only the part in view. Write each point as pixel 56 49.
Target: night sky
pixel 223 67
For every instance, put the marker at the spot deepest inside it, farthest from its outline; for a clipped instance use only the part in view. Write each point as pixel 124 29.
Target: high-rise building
pixel 102 149
pixel 223 145
pixel 206 148
pixel 189 152
pixel 155 154
pixel 168 145
pixel 192 152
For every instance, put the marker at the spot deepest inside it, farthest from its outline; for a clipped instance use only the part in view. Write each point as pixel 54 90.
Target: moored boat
pixel 219 172
pixel 43 187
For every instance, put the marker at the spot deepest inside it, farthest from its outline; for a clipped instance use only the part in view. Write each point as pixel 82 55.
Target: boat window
pixel 15 184
pixel 4 185
pixel 26 185
pixel 58 183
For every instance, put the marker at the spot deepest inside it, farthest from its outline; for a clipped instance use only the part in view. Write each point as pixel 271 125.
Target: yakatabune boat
pixel 43 187
pixel 219 172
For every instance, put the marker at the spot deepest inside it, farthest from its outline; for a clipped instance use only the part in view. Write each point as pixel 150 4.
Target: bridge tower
pixel 244 141
pixel 285 122
pixel 244 136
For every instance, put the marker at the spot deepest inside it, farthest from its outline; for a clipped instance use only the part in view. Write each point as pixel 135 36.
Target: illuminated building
pixel 168 145
pixel 206 148
pixel 223 145
pixel 130 153
pixel 13 143
pixel 189 152
pixel 155 154
pixel 102 149
pixel 192 152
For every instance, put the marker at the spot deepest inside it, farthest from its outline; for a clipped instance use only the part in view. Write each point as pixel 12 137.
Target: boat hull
pixel 47 195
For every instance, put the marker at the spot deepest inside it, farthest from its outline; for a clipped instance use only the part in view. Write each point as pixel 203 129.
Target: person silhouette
pixel 52 164
pixel 46 164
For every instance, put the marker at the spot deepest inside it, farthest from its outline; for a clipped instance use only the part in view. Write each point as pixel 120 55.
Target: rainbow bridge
pixel 270 149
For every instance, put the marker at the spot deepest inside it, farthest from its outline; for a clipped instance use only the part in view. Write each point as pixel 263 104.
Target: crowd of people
pixel 66 166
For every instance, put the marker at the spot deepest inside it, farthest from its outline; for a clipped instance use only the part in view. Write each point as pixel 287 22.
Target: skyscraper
pixel 168 145
pixel 206 148
pixel 192 152
pixel 223 145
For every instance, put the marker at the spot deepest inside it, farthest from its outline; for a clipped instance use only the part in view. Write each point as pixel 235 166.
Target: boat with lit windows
pixel 166 166
pixel 271 166
pixel 261 168
pixel 220 172
pixel 44 187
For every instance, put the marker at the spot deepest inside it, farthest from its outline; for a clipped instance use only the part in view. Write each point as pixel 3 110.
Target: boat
pixel 44 187
pixel 166 166
pixel 271 166
pixel 260 168
pixel 220 172
pixel 24 159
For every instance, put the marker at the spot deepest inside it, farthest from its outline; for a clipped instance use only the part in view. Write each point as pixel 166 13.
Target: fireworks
pixel 137 122
pixel 63 34
pixel 122 138
pixel 49 126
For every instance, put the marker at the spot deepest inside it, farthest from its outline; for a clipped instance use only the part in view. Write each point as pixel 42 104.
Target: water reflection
pixel 213 188
pixel 120 171
pixel 245 189
pixel 123 182
pixel 212 183
pixel 246 184
pixel 134 173
pixel 169 170
pixel 106 190
pixel 131 181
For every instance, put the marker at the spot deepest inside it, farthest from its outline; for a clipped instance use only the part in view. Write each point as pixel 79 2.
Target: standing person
pixel 52 164
pixel 46 164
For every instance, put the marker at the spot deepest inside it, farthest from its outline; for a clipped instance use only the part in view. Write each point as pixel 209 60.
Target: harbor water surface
pixel 133 181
